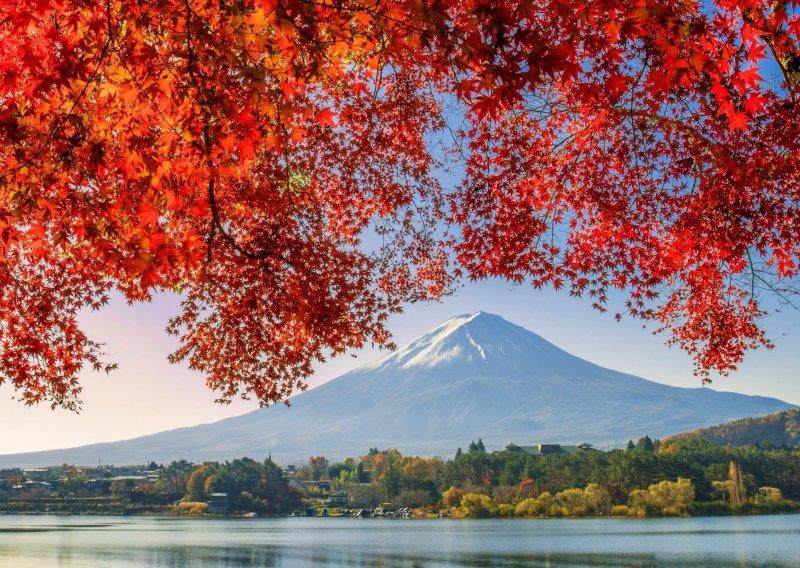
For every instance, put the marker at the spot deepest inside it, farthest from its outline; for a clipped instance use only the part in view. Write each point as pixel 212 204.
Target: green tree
pixel 317 466
pixel 335 469
pixel 172 479
pixel 645 444
pixel 72 479
pixel 274 487
pixel 392 480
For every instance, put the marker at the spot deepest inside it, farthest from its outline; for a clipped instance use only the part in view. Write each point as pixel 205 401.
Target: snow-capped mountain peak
pixel 470 339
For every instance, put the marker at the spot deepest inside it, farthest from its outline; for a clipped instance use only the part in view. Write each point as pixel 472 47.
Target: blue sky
pixel 148 395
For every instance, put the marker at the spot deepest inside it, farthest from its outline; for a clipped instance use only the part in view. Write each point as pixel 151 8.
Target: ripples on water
pixel 85 542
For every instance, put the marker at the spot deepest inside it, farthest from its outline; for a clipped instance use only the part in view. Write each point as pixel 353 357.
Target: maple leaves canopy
pixel 276 163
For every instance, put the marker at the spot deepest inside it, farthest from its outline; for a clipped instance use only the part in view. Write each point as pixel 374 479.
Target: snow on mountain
pixel 473 376
pixel 480 339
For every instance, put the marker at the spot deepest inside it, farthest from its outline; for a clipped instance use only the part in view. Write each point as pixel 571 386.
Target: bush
pixel 673 497
pixel 639 500
pixel 768 495
pixel 594 500
pixel 665 498
pixel 526 508
pixel 573 502
pixel 475 506
pixel 621 511
pixel 505 510
pixel 452 497
pixel 598 501
pixel 191 508
pixel 538 507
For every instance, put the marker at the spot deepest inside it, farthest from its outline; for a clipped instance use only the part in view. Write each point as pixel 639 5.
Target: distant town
pixel 686 476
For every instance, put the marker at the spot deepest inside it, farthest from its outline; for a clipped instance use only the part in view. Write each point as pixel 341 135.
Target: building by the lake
pixel 548 449
pixel 219 504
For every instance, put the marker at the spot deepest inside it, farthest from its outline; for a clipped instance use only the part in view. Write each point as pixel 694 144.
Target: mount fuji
pixel 473 376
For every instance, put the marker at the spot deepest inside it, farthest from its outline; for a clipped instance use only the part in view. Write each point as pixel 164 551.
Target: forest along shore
pixel 648 478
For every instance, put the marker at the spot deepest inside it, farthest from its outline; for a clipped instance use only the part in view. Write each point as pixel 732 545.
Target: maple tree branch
pixel 190 61
pixel 215 219
pixel 209 250
pixel 313 41
pixel 216 223
pixel 158 53
pixel 680 126
pixel 67 116
pixel 790 76
pixel 783 294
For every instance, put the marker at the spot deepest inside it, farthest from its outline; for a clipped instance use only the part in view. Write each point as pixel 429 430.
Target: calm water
pixel 125 542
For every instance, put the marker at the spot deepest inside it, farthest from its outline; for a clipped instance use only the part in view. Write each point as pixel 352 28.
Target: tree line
pixel 649 477
pixel 180 487
pixel 646 478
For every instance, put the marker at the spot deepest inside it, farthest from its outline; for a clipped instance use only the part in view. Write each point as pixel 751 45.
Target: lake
pixel 127 542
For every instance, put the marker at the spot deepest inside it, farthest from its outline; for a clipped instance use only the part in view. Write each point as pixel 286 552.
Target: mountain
pixel 782 428
pixel 473 376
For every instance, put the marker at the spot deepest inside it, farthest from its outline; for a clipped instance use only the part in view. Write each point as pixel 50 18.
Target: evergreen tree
pixel 645 444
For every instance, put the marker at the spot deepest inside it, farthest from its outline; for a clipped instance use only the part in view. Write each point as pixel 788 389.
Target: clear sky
pixel 147 394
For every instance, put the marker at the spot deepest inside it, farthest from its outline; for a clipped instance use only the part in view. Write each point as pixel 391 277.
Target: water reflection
pixel 234 557
pixel 36 542
pixel 240 557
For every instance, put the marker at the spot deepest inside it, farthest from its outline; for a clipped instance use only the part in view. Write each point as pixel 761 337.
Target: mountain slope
pixel 473 376
pixel 782 428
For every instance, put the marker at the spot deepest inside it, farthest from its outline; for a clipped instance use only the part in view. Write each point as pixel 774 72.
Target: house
pixel 28 485
pixel 548 449
pixel 219 504
pixel 37 474
pixel 337 500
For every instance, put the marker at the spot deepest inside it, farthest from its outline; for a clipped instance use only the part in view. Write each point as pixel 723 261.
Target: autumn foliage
pixel 278 163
